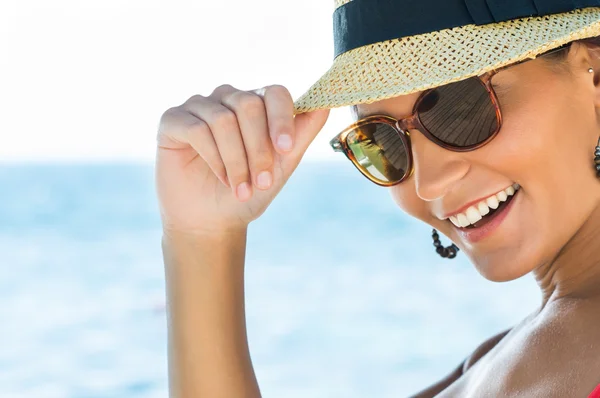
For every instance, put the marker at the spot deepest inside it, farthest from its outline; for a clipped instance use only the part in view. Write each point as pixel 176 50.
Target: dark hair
pixel 562 55
pixel 556 60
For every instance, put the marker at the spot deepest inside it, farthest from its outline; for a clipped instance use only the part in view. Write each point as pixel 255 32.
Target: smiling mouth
pixel 491 214
pixel 485 211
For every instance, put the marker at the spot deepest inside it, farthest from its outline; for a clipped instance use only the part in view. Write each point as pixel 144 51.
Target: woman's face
pixel 546 145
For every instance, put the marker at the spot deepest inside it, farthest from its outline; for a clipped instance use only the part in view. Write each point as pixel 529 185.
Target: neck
pixel 575 271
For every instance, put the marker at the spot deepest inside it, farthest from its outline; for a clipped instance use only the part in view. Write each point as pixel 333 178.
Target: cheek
pixel 546 119
pixel 406 198
pixel 536 140
pixel 546 145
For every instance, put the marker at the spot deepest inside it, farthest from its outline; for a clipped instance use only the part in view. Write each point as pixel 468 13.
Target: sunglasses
pixel 460 117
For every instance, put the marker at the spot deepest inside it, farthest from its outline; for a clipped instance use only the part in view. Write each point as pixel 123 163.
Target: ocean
pixel 346 296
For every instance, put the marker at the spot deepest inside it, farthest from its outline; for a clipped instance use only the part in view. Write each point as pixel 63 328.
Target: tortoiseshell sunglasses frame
pixel 402 126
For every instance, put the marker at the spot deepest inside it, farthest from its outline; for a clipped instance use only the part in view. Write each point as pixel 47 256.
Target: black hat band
pixel 363 22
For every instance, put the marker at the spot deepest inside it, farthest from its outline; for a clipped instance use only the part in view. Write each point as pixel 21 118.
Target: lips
pixel 474 212
pixel 488 224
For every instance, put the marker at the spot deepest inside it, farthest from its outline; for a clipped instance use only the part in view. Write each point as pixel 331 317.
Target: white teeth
pixel 492 202
pixel 463 221
pixel 483 208
pixel 473 215
pixel 502 196
pixel 477 212
pixel 454 221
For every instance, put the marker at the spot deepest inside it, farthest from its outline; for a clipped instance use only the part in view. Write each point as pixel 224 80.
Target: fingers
pixel 280 110
pixel 239 133
pixel 186 129
pixel 227 136
pixel 251 115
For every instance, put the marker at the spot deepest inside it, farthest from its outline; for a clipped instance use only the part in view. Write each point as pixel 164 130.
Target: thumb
pixel 307 126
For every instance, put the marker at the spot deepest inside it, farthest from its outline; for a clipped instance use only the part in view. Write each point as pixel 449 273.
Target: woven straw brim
pixel 411 64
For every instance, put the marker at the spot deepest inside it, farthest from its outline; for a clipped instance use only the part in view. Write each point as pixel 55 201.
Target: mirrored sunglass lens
pixel 460 114
pixel 379 151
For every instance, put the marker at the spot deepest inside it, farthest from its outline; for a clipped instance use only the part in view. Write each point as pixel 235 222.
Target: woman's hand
pixel 222 159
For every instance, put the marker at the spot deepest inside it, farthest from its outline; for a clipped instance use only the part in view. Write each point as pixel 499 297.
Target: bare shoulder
pixel 568 343
pixel 483 349
pixel 554 352
pixel 471 360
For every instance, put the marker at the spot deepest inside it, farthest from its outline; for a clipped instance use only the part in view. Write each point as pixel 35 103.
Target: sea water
pixel 346 296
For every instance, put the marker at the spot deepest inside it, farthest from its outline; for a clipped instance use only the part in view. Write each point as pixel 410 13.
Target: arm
pixel 479 352
pixel 208 347
pixel 220 162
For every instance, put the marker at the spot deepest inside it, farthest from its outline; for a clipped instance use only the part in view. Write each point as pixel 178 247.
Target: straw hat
pixel 386 48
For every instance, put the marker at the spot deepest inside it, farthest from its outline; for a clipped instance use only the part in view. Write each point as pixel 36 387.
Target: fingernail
pixel 243 191
pixel 284 142
pixel 264 180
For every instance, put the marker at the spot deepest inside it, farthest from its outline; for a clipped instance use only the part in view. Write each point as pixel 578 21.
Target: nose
pixel 436 170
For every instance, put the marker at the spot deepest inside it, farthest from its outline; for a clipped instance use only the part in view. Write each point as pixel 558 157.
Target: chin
pixel 506 264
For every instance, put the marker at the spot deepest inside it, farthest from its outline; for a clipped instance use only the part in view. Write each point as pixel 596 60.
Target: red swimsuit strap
pixel 595 393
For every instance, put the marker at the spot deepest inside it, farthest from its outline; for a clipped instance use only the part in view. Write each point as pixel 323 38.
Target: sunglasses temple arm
pixel 336 145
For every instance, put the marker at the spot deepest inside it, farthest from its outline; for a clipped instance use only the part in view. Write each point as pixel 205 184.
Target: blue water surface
pixel 345 294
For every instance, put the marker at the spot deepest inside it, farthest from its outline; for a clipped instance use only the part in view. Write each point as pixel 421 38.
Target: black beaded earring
pixel 597 159
pixel 445 252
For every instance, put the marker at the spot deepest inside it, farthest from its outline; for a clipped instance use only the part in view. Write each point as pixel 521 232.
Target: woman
pixel 482 118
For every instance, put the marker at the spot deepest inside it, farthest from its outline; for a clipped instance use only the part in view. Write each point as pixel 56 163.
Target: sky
pixel 88 80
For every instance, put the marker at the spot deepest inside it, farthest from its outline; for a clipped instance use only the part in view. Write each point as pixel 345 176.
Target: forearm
pixel 208 346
